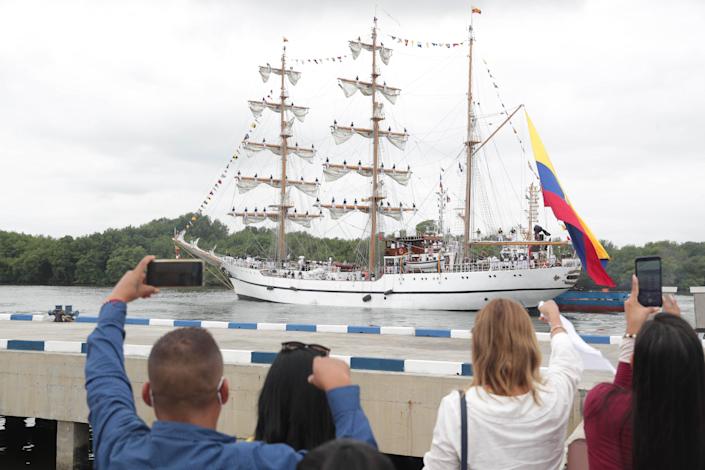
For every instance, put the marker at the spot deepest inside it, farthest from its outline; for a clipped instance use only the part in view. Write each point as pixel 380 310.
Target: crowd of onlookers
pixel 513 416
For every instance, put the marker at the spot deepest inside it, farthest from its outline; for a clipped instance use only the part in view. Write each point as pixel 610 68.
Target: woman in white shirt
pixel 516 415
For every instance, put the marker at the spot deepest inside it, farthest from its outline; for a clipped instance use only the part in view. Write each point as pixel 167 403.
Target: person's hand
pixel 131 286
pixel 635 313
pixel 670 305
pixel 329 373
pixel 550 313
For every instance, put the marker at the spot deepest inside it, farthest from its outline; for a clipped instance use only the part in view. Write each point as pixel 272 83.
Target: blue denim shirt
pixel 121 440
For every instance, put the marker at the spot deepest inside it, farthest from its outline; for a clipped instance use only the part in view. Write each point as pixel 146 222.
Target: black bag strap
pixel 463 431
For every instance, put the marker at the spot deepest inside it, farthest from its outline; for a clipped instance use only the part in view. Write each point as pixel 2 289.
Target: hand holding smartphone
pixel 175 273
pixel 648 272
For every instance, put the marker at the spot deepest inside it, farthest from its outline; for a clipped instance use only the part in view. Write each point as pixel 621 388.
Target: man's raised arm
pixel 110 401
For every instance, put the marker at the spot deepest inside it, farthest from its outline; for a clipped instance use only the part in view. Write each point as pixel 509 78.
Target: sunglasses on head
pixel 296 345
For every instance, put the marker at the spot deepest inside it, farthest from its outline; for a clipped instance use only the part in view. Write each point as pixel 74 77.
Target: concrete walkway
pixel 392 347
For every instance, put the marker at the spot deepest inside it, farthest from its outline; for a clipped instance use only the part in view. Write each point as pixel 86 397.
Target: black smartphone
pixel 648 271
pixel 175 273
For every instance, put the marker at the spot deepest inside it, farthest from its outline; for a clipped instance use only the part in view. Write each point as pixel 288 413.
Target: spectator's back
pixel 516 418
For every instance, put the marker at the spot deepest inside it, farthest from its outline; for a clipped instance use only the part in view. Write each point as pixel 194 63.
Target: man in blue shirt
pixel 187 390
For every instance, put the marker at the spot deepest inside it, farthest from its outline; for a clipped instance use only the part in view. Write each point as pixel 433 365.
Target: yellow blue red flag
pixel 591 252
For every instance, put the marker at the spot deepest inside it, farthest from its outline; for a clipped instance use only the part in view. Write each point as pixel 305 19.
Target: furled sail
pixel 336 211
pixel 249 218
pixel 247 183
pixel 267 70
pixel 356 46
pixel 400 176
pixel 342 134
pixel 332 172
pixel 255 217
pixel 396 213
pixel 305 153
pixel 257 107
pixel 350 87
pixel 303 219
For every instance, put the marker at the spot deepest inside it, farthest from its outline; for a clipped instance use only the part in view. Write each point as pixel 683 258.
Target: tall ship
pixel 431 270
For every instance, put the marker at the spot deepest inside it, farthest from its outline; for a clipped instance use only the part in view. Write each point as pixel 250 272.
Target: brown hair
pixel 184 367
pixel 505 352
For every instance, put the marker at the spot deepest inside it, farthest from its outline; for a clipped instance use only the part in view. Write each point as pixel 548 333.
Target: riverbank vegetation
pixel 101 258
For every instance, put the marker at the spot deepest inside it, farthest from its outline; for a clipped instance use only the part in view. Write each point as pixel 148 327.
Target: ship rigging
pixel 426 271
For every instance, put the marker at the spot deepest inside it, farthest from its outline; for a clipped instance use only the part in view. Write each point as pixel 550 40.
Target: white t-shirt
pixel 511 432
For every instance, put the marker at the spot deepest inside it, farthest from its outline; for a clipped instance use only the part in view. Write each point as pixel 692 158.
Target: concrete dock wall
pixel 401 407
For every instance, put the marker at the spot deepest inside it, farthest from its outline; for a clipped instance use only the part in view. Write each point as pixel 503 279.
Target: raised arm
pixel 109 393
pixel 350 420
pixel 565 360
pixel 333 376
pixel 635 315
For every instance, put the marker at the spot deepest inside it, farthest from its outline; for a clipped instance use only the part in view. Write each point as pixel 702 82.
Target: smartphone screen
pixel 648 271
pixel 175 273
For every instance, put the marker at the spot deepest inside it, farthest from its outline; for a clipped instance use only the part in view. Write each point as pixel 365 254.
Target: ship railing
pixel 486 266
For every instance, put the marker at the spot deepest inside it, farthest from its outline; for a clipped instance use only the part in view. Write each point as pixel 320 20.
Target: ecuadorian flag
pixel 591 252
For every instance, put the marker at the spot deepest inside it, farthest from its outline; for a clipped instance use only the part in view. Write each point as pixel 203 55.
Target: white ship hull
pixel 420 291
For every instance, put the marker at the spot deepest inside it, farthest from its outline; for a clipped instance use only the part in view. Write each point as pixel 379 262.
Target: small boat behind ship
pixel 592 301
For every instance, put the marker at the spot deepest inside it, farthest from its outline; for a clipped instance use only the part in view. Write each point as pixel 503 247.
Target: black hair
pixel 345 454
pixel 668 400
pixel 290 410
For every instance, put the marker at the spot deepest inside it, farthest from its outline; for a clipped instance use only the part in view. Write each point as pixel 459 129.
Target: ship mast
pixel 442 194
pixel 371 203
pixel 469 148
pixel 533 211
pixel 375 157
pixel 281 247
pixel 278 212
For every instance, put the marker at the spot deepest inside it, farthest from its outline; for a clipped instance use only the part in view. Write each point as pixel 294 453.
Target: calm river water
pixel 29 443
pixel 221 304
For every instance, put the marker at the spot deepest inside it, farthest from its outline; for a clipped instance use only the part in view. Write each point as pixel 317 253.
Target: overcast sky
pixel 116 113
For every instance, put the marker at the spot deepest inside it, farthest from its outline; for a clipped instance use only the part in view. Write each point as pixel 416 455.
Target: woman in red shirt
pixel 653 415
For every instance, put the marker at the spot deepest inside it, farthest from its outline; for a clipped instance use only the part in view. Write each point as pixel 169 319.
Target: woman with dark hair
pixel 290 410
pixel 653 415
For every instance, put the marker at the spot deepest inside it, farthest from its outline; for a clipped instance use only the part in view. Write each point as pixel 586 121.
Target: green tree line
pixel 101 258
pixel 683 264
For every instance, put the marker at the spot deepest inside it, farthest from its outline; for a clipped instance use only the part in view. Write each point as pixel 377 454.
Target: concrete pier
pixel 699 307
pixel 71 444
pixel 401 406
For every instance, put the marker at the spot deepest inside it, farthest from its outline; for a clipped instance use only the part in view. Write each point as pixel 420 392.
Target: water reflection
pixel 27 443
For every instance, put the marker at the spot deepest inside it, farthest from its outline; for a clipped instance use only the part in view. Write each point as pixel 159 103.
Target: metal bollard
pixel 699 302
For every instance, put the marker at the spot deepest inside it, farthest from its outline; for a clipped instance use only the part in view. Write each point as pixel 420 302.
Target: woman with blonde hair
pixel 513 416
